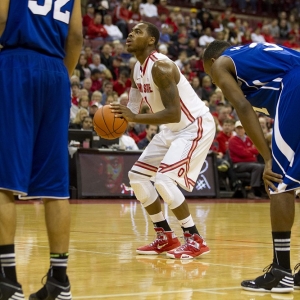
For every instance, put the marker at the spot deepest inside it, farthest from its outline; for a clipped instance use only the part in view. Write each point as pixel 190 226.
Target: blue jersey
pixel 40 25
pixel 260 70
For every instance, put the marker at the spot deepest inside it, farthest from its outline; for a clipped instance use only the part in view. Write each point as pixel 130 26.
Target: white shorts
pixel 179 155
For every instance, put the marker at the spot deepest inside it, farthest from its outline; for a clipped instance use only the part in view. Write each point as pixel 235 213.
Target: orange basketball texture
pixel 106 125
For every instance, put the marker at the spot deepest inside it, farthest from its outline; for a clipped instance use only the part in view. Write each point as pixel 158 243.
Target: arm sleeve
pixel 135 100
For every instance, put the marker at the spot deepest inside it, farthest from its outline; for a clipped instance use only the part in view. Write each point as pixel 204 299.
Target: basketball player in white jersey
pixel 175 155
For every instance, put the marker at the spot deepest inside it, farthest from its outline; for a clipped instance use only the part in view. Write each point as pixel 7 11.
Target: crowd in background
pixel 102 75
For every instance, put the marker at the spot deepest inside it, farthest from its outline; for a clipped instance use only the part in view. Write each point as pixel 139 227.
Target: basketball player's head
pixel 143 36
pixel 212 52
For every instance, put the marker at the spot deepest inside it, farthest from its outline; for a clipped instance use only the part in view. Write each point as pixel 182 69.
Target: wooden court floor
pixel 103 263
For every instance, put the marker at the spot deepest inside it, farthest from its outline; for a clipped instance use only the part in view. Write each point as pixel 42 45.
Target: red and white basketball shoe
pixel 165 241
pixel 194 246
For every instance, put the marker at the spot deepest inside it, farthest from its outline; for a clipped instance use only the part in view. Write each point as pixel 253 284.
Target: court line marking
pixel 209 291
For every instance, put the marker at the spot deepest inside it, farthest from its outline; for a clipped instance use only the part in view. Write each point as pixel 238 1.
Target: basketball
pixel 106 125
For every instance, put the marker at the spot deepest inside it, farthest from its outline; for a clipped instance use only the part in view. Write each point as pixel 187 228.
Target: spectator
pixel 123 100
pixel 187 71
pixel 182 59
pixel 123 83
pixel 206 21
pixel 89 16
pixel 106 75
pixel 83 92
pixel 216 23
pixel 75 78
pixel 88 54
pixel 97 63
pixel 113 31
pixel 257 37
pixel 284 29
pixel 267 35
pixel 135 15
pixel 132 132
pixel 77 122
pixel 265 128
pixel 274 28
pixel 164 37
pixel 83 68
pixel 163 49
pixel 207 38
pixel 194 21
pixel 162 8
pixel 93 108
pixel 106 88
pixel 151 130
pixel 84 102
pixel 97 96
pixel 223 114
pixel 87 123
pixel 95 29
pixel 102 8
pixel 115 71
pixel 191 49
pixel 106 56
pixel 246 38
pixel 96 80
pixel 225 134
pixel 87 84
pixel 75 93
pixel 148 9
pixel 109 99
pixel 244 158
pixel 121 17
pixel 196 86
pixel 207 87
pixel 291 42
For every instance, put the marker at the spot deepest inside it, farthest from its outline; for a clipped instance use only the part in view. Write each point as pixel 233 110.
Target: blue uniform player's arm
pixel 74 39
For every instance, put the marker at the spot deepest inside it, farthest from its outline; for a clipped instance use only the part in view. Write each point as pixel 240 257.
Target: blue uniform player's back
pixel 260 69
pixel 38 25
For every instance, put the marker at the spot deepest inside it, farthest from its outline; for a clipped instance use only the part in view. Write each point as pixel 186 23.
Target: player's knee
pixel 143 188
pixel 168 190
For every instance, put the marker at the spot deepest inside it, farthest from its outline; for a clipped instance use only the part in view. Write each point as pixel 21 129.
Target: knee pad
pixel 143 188
pixel 168 190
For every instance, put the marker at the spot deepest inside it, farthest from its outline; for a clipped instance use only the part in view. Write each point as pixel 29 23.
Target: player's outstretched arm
pixel 4 5
pixel 74 39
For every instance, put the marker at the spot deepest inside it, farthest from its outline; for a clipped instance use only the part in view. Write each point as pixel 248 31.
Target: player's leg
pixel 286 161
pixel 182 164
pixel 9 287
pixel 278 277
pixel 140 181
pixel 50 174
pixel 57 215
pixel 15 161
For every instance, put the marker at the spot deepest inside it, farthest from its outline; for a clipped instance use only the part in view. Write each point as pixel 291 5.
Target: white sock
pixel 157 217
pixel 187 222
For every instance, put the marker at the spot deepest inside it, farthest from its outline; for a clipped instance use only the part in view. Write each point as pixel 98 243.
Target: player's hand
pixel 122 111
pixel 269 177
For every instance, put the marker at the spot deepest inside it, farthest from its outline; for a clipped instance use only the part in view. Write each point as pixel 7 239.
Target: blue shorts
pixel 286 133
pixel 34 115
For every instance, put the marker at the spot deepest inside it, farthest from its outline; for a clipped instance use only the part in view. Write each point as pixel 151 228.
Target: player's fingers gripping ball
pixel 106 125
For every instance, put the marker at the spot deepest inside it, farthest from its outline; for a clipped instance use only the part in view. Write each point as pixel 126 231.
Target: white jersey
pixel 192 107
